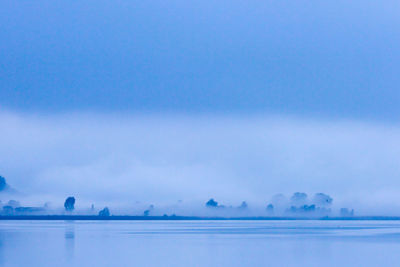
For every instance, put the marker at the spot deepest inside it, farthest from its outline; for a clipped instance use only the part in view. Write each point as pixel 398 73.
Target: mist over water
pixel 199 133
pixel 134 160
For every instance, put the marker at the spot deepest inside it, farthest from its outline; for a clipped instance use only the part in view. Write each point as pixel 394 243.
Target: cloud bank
pixel 126 159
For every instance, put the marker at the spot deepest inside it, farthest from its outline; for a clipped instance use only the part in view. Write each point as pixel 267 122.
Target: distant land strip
pixel 182 218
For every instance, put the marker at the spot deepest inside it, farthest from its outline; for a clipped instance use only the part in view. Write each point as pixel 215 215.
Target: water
pixel 199 243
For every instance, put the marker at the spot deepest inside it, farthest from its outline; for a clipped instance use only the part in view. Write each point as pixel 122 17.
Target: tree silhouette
pixel 298 199
pixel 69 204
pixel 322 200
pixel 243 205
pixel 104 212
pixel 212 203
pixel 270 208
pixel 3 183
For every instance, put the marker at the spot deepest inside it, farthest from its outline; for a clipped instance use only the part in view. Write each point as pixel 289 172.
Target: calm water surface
pixel 199 243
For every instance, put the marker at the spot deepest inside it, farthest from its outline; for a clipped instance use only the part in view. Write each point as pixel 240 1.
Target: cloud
pixel 164 158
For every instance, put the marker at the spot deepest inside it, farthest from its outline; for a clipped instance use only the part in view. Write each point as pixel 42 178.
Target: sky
pixel 166 100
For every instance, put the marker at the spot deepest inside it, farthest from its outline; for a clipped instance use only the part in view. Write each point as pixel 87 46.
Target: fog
pixel 168 160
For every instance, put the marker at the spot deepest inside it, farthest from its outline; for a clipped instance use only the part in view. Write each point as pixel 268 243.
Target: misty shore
pixel 180 218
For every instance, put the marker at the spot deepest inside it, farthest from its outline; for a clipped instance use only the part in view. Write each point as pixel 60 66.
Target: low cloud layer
pixel 123 159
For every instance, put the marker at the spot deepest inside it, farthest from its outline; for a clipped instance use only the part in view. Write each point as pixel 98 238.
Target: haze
pixel 120 102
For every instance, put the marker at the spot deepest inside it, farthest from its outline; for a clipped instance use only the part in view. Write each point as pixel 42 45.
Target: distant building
pixel 29 210
pixel 8 210
pixel 345 212
pixel 308 210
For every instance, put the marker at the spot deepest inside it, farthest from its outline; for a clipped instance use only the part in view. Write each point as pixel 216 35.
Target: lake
pixel 200 243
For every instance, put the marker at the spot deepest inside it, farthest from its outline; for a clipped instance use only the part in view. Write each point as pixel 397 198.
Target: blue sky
pixel 125 101
pixel 325 58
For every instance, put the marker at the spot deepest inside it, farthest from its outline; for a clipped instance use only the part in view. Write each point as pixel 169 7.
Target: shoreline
pixel 185 218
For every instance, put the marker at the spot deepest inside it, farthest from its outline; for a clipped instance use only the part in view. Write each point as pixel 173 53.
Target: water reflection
pixel 2 242
pixel 69 237
pixel 199 243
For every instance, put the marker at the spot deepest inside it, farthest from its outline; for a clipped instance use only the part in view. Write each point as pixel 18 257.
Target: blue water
pixel 199 243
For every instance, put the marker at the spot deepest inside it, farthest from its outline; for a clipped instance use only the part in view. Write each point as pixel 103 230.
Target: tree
pixel 299 199
pixel 280 202
pixel 243 205
pixel 69 204
pixel 104 212
pixel 270 208
pixel 212 203
pixel 3 183
pixel 13 203
pixel 322 200
pixel 147 212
